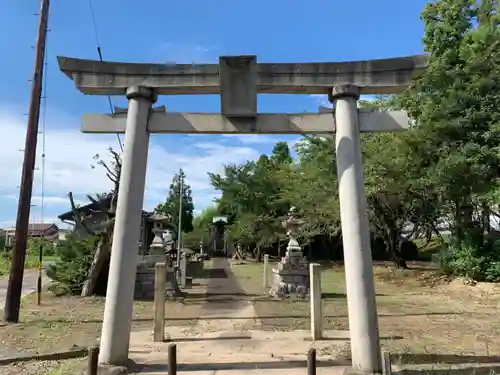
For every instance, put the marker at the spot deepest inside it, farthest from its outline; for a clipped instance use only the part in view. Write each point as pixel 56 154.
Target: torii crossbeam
pixel 272 123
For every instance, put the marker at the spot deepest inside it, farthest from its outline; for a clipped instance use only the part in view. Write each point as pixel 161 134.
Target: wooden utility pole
pixel 14 288
pixel 179 227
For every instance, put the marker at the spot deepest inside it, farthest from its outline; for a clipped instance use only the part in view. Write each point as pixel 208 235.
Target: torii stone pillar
pixel 360 288
pixel 115 336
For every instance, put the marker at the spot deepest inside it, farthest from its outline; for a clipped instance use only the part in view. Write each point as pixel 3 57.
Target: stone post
pixel 182 269
pixel 266 270
pixel 315 301
pixel 115 334
pixel 363 324
pixel 159 302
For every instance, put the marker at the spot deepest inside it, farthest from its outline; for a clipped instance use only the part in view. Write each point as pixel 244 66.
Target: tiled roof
pixel 35 227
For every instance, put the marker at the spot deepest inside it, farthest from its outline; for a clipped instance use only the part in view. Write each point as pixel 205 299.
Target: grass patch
pixel 30 263
pixel 63 367
pixel 66 322
pixel 427 249
pixel 69 322
pixel 419 310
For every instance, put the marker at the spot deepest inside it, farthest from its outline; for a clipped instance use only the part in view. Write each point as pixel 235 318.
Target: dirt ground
pixel 64 323
pixel 423 317
pixel 420 312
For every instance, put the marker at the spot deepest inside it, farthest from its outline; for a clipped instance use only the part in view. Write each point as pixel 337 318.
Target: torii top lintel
pixel 382 76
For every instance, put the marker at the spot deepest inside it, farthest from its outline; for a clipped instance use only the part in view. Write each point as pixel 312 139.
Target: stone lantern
pixel 292 274
pixel 201 246
pixel 160 222
pixel 292 225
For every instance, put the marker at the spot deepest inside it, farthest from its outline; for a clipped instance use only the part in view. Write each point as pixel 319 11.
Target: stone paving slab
pixel 230 352
pixel 338 370
pixel 217 345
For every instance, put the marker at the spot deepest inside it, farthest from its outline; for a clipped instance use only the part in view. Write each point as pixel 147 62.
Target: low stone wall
pixel 145 278
pixel 194 268
pixel 145 281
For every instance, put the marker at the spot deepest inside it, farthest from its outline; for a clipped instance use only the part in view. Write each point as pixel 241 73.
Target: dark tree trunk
pixel 101 257
pixel 485 213
pixel 394 245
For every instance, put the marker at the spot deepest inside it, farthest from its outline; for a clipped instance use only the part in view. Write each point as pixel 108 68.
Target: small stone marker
pixel 266 266
pixel 92 360
pixel 159 303
pixel 183 268
pixel 386 363
pixel 315 301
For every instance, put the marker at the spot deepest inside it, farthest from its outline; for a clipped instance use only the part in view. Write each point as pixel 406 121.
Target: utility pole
pixel 14 288
pixel 179 226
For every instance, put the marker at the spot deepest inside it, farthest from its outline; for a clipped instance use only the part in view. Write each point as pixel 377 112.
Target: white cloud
pixel 69 155
pixel 51 200
pixel 322 100
pixel 36 219
pixel 186 53
pixel 252 138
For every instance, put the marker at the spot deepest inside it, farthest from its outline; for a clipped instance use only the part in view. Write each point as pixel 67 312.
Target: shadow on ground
pixel 212 273
pixel 298 316
pixel 161 369
pixel 219 338
pixel 429 358
pixel 435 364
pixel 485 370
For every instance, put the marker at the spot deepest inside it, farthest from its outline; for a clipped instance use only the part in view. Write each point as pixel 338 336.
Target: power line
pixel 42 177
pixel 99 52
pixel 44 118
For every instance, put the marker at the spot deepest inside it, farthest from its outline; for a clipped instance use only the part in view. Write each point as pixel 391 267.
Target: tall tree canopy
pixel 171 205
pixel 444 170
pixel 456 105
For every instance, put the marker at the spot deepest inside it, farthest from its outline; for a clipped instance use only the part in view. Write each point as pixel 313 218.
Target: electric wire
pixel 99 52
pixel 44 121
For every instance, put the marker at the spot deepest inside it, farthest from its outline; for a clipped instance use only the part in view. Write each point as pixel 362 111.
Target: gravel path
pixel 29 284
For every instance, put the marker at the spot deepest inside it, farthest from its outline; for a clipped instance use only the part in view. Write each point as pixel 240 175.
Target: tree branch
pixel 76 215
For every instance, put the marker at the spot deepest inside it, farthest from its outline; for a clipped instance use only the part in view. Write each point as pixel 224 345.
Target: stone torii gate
pixel 238 80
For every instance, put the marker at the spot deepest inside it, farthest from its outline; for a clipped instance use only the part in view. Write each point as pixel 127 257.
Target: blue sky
pixel 182 32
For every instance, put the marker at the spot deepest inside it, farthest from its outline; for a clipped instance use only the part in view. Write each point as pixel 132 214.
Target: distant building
pixel 63 234
pixel 49 231
pixel 92 216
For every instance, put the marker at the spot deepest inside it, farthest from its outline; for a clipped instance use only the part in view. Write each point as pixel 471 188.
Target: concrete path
pixel 30 280
pixel 223 346
pixel 225 298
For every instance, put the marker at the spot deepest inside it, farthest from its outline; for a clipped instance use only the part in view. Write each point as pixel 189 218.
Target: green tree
pixel 201 225
pixel 281 154
pixel 311 186
pixel 70 270
pixel 251 197
pixel 171 205
pixel 35 243
pixel 456 104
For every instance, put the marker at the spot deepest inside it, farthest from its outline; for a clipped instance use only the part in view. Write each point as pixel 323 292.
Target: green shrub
pixel 473 260
pixel 34 244
pixel 75 257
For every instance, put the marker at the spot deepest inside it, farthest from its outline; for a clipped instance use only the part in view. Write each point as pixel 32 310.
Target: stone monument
pixel 157 247
pixel 145 274
pixel 168 238
pixel 292 274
